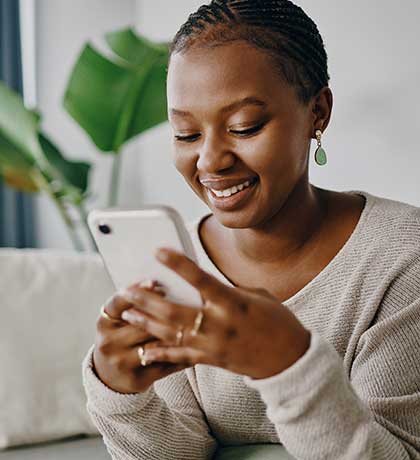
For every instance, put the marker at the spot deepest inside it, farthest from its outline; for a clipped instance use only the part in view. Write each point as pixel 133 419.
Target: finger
pixel 113 307
pixel 209 287
pixel 131 335
pixel 176 355
pixel 165 318
pixel 161 309
pixel 155 328
pixel 154 286
pixel 147 286
pixel 118 303
pixel 154 370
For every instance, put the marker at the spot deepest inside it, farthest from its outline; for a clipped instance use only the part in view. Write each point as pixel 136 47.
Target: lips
pixel 234 201
pixel 224 184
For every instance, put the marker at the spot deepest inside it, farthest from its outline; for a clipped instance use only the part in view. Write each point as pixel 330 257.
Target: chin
pixel 234 219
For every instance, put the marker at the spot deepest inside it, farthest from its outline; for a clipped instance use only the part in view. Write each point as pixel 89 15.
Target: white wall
pixel 371 141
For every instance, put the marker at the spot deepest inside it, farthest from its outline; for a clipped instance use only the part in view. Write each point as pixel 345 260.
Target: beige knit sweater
pixel 354 395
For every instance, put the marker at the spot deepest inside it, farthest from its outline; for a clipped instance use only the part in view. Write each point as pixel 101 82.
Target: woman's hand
pixel 116 360
pixel 247 331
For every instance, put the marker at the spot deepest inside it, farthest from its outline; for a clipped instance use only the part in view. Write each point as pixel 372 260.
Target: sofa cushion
pixel 49 300
pixel 91 448
pixel 94 449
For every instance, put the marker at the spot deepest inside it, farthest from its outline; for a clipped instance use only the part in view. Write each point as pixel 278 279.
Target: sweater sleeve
pixel 320 412
pixel 163 423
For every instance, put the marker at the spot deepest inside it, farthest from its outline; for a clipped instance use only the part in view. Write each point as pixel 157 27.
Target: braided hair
pixel 278 27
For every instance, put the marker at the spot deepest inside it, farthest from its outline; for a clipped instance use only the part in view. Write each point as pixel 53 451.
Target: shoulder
pixel 392 229
pixel 391 225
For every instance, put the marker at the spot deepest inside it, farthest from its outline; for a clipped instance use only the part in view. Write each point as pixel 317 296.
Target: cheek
pixel 279 157
pixel 184 162
pixel 267 154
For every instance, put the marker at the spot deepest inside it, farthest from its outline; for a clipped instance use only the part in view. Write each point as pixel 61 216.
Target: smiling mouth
pixel 232 201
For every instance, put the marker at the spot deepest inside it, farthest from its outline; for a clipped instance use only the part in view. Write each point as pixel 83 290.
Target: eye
pixel 241 133
pixel 191 138
pixel 250 131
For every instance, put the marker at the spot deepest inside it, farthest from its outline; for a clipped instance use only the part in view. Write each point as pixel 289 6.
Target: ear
pixel 321 109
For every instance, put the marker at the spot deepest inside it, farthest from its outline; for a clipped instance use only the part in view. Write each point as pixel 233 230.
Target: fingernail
pixel 146 283
pixel 126 316
pixel 131 317
pixel 162 254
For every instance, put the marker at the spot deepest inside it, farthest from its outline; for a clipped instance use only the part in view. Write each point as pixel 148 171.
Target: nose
pixel 214 154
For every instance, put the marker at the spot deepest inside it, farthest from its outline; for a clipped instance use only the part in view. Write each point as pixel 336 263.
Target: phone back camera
pixel 104 228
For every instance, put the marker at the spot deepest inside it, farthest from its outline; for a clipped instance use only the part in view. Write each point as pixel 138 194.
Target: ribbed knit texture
pixel 354 395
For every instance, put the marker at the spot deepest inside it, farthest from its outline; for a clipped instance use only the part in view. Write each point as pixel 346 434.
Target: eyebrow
pixel 250 100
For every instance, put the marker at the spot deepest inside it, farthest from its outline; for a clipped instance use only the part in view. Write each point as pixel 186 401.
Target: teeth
pixel 232 190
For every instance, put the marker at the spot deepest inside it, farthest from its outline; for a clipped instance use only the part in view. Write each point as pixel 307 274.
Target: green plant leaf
pixel 19 147
pixel 25 151
pixel 115 100
pixel 151 105
pixel 133 48
pixel 74 173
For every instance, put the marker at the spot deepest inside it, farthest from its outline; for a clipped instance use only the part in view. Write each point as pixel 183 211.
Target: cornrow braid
pixel 279 27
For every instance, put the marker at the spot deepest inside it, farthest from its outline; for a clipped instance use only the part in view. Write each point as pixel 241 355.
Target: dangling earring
pixel 320 155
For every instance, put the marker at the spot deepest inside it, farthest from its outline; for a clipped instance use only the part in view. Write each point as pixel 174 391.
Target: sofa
pixel 50 300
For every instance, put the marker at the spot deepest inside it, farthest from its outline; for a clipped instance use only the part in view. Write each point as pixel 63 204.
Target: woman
pixel 309 335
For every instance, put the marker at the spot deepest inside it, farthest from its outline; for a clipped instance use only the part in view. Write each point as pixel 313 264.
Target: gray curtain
pixel 16 208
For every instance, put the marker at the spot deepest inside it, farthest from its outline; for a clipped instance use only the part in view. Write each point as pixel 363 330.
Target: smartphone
pixel 127 240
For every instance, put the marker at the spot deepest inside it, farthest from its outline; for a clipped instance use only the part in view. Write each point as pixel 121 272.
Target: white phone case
pixel 128 249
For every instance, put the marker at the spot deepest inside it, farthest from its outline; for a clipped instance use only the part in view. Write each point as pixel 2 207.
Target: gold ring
pixel 197 323
pixel 179 336
pixel 108 317
pixel 140 352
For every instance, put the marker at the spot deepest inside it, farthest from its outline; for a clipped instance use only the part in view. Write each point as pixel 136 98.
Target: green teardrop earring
pixel 320 155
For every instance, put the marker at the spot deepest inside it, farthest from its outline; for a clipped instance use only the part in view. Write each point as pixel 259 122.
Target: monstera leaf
pixel 114 100
pixel 27 155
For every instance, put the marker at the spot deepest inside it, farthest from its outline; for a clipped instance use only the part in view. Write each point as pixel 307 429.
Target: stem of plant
pixel 115 176
pixel 45 186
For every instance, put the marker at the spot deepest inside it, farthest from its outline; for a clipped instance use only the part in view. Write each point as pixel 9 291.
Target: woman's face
pixel 215 137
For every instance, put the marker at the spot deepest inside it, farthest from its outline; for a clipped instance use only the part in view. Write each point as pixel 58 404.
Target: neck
pixel 287 232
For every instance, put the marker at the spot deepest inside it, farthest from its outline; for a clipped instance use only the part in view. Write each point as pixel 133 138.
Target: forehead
pixel 213 77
